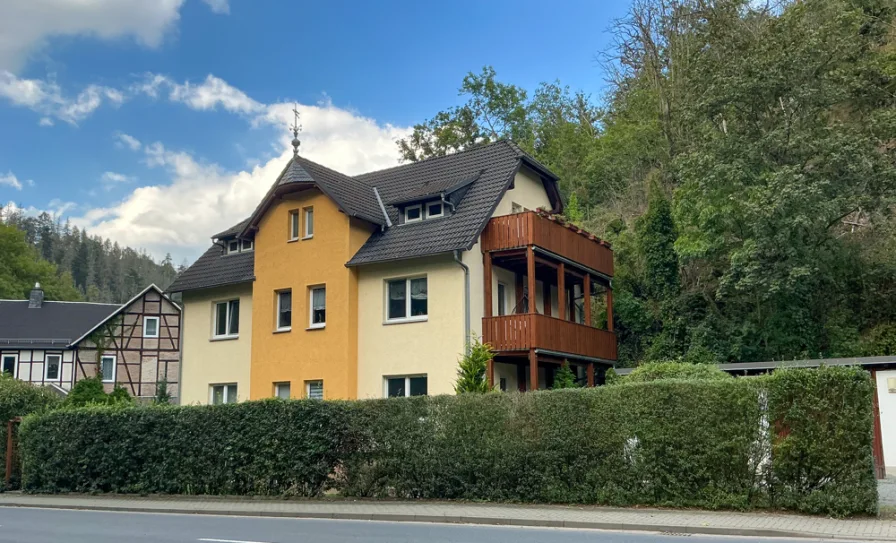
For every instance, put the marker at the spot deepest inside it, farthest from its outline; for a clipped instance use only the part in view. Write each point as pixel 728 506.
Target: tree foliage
pixel 91 391
pixel 743 165
pixel 564 378
pixel 21 268
pixel 472 367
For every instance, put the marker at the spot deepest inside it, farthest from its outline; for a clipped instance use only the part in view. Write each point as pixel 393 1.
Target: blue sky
pixel 159 123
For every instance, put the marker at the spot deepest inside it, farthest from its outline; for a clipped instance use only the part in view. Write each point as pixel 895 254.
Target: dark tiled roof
pixel 495 164
pixel 232 231
pixel 53 325
pixel 433 188
pixel 216 269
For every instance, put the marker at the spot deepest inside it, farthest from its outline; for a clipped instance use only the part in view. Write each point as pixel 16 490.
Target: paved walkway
pixel 655 520
pixel 886 491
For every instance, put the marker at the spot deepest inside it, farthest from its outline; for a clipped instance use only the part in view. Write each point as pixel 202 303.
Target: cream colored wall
pixel 207 361
pixel 430 347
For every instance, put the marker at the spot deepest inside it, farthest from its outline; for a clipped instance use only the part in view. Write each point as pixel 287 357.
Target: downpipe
pixel 466 300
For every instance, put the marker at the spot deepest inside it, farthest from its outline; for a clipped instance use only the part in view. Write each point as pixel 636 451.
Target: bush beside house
pixel 684 443
pixel 18 399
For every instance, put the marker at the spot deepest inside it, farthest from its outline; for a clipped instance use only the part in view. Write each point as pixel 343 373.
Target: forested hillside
pixel 743 164
pixel 75 264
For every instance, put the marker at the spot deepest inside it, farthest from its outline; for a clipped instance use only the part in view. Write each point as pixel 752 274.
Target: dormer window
pixel 413 213
pixel 233 246
pixel 248 245
pixel 434 209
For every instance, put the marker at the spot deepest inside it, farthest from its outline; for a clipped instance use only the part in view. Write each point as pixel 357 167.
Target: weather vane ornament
pixel 296 128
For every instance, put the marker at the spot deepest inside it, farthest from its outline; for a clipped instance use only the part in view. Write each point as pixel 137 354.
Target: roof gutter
pixel 466 300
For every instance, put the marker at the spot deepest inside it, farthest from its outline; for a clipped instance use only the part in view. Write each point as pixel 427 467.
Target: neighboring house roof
pixel 478 176
pixel 54 325
pixel 233 230
pixel 123 307
pixel 216 269
pixel 495 165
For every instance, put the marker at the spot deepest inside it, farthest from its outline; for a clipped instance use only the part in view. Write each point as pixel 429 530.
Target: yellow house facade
pixel 371 286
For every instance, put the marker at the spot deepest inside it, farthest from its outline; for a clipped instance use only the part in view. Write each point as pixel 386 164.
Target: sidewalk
pixel 653 520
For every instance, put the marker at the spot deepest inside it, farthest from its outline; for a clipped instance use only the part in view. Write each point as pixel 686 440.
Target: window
pixel 150 327
pixel 107 367
pixel 405 386
pixel 309 222
pixel 233 246
pixel 294 225
pixel 220 394
pixel 314 390
pixel 227 319
pixel 516 208
pixel 247 245
pixel 407 299
pixel 413 213
pixel 281 390
pixel 502 383
pixel 318 307
pixel 284 310
pixel 53 363
pixel 10 363
pixel 502 299
pixel 434 209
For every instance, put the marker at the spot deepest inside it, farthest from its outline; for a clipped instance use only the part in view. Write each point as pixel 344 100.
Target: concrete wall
pixel 207 361
pixel 887 403
pixel 304 354
pixel 431 347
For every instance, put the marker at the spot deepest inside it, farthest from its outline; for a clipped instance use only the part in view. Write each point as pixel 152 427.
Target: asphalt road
pixel 25 525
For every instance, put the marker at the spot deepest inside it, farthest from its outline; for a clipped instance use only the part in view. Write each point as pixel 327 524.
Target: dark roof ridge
pixel 434 158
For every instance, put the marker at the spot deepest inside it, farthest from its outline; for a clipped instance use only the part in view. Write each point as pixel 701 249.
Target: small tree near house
pixel 471 369
pixel 565 378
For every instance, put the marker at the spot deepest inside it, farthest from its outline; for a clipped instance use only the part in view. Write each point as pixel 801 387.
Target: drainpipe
pixel 446 202
pixel 466 300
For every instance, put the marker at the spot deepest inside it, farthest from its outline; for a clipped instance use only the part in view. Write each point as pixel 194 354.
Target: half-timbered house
pixel 135 345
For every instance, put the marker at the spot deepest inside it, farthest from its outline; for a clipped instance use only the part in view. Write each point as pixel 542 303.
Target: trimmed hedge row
pixel 17 399
pixel 673 443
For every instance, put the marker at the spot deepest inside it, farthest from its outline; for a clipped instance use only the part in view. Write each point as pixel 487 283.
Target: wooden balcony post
pixel 490 373
pixel 530 272
pixel 587 301
pixel 610 308
pixel 487 257
pixel 590 372
pixel 546 290
pixel 533 370
pixel 561 291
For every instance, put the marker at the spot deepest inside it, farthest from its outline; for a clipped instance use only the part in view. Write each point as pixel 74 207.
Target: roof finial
pixel 296 128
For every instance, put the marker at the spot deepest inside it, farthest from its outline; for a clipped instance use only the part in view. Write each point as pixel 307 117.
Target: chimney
pixel 37 297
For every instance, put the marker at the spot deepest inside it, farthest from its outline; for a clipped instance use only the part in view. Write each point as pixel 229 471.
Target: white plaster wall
pixel 887 403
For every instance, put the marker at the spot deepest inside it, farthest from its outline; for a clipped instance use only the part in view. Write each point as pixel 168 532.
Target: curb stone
pixel 473 520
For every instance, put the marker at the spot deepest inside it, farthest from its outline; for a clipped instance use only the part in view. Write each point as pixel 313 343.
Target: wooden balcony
pixel 537 229
pixel 533 331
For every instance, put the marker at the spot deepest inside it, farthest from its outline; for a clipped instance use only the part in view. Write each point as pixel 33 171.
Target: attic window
pixel 233 246
pixel 413 213
pixel 434 209
pixel 247 245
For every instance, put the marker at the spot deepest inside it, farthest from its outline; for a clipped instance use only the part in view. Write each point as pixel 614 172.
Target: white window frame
pixel 15 367
pixel 243 243
pixel 308 388
pixel 418 207
pixel 292 301
pixel 226 387
pixel 145 334
pixel 407 301
pixel 229 316
pixel 281 384
pixel 47 367
pixel 308 220
pixel 407 384
pixel 230 249
pixel 294 225
pixel 434 215
pixel 311 323
pixel 106 378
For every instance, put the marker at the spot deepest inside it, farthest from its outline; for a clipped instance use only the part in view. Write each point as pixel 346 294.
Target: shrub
pixel 91 391
pixel 471 369
pixel 564 378
pixel 17 399
pixel 655 371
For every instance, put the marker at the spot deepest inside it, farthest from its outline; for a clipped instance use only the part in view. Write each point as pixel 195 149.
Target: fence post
pixel 10 447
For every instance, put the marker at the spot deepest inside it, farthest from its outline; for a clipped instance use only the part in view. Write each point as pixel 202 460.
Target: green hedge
pixel 684 443
pixel 17 399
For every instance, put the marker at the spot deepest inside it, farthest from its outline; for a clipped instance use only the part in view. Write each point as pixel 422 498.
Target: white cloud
pixel 27 25
pixel 110 180
pixel 218 6
pixel 208 95
pixel 55 208
pixel 10 180
pixel 47 98
pixel 126 140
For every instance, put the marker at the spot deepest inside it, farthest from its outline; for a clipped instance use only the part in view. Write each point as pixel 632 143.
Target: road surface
pixel 25 525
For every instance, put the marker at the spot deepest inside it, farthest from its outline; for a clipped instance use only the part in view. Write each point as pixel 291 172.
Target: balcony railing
pixel 535 331
pixel 530 228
